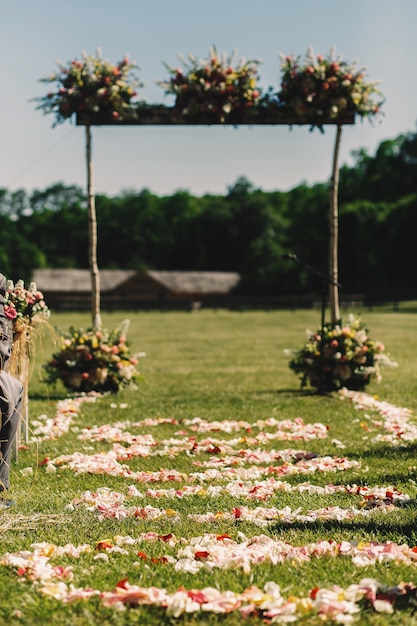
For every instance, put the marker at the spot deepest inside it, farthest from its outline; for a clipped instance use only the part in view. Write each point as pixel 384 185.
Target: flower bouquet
pixel 92 87
pixel 317 88
pixel 94 360
pixel 25 309
pixel 339 356
pixel 23 305
pixel 212 89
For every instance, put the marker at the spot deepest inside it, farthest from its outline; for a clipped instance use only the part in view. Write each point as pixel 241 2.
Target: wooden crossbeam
pixel 160 115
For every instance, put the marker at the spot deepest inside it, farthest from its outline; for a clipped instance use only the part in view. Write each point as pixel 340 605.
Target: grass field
pixel 217 366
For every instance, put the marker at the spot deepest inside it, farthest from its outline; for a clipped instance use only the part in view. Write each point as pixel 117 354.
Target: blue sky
pixel 379 33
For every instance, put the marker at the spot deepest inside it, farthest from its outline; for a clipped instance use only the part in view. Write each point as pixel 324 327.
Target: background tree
pixel 245 230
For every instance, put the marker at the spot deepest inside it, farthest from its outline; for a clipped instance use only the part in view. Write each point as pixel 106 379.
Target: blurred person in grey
pixel 11 398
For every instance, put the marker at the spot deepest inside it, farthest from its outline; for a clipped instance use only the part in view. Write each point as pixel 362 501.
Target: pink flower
pixel 10 312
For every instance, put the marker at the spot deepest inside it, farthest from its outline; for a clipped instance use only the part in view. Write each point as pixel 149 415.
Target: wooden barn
pixel 70 289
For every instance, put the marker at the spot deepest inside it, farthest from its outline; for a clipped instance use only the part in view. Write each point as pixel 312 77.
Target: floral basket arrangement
pixel 25 309
pixel 213 89
pixel 94 360
pixel 318 87
pixel 92 87
pixel 339 356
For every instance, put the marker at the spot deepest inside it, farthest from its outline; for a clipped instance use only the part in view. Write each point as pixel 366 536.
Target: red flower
pixel 201 554
pixel 222 537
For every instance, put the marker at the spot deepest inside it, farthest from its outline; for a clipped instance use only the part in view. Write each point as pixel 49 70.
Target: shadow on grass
pixel 301 392
pixel 312 393
pixel 403 451
pixel 289 392
pixel 54 396
pixel 386 528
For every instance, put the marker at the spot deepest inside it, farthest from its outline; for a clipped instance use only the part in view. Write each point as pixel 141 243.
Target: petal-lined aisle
pixel 247 469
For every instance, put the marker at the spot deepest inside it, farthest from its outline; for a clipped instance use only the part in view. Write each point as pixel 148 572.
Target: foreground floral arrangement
pixel 341 355
pixel 94 360
pixel 213 88
pixel 24 306
pixel 25 309
pixel 90 86
pixel 319 87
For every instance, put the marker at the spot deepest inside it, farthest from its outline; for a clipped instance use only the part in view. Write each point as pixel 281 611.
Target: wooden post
pixel 334 231
pixel 92 230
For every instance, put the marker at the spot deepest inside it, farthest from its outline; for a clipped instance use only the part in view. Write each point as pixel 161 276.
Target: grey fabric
pixel 11 396
pixel 5 339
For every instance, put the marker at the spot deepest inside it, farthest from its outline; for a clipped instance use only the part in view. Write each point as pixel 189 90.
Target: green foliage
pixel 216 365
pixel 246 230
pixel 386 176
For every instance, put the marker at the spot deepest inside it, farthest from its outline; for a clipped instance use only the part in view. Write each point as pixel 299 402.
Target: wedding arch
pixel 314 91
pixel 170 117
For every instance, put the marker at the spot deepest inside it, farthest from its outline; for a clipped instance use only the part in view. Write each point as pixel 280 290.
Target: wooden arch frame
pixel 159 115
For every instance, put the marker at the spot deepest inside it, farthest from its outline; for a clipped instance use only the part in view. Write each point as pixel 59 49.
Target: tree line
pixel 246 230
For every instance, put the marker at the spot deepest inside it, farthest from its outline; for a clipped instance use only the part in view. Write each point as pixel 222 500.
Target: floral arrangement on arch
pixel 319 87
pixel 94 360
pixel 341 355
pixel 213 88
pixel 90 86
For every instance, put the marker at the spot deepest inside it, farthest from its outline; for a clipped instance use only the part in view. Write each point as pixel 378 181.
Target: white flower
pixel 180 603
pixel 27 471
pixel 361 336
pixel 383 606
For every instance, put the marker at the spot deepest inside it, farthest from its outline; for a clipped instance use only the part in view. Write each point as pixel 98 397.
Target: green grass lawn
pixel 213 365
